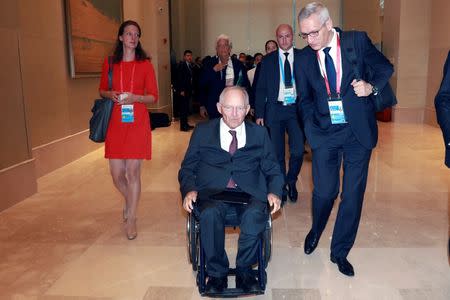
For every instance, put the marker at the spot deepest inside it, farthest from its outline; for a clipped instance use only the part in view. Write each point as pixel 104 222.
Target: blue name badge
pixel 128 113
pixel 289 96
pixel 337 111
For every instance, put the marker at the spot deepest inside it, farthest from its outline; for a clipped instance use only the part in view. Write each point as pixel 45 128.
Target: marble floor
pixel 67 241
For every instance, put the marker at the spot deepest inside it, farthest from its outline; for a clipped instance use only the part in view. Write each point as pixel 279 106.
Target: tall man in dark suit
pixel 275 106
pixel 233 155
pixel 442 103
pixel 340 124
pixel 184 86
pixel 217 73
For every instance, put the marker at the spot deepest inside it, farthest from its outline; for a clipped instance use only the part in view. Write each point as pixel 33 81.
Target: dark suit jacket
pixel 268 86
pixel 207 168
pixel 184 79
pixel 253 87
pixel 359 111
pixel 212 84
pixel 442 103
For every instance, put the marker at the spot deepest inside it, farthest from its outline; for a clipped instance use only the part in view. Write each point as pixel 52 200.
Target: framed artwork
pixel 92 27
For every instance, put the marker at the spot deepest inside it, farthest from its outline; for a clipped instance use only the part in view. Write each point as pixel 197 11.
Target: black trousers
pixel 287 122
pixel 184 110
pixel 212 214
pixel 341 148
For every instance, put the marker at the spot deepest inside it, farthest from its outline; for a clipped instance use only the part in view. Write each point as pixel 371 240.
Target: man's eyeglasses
pixel 312 34
pixel 229 108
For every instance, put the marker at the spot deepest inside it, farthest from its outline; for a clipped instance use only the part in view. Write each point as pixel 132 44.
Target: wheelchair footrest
pixel 233 293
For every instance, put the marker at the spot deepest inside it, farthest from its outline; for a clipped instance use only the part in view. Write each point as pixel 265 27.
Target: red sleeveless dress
pixel 130 140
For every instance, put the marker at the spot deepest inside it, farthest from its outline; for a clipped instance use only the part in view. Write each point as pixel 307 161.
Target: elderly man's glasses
pixel 229 108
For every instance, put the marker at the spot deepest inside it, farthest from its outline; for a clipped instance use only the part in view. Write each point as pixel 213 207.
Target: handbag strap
pixel 110 72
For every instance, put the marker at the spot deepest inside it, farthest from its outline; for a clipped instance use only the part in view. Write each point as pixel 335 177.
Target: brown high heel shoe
pixel 131 229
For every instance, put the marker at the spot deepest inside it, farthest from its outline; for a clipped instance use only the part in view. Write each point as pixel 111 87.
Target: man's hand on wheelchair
pixel 188 201
pixel 274 201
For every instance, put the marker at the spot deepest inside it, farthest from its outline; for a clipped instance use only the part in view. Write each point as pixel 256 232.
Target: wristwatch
pixel 374 90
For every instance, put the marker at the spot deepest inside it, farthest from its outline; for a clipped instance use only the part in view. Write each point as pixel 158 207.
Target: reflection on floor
pixel 67 241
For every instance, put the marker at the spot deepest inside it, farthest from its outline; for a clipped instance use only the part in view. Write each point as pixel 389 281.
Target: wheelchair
pixel 197 259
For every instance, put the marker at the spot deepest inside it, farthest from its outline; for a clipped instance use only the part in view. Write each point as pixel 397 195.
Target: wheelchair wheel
pixel 192 241
pixel 267 242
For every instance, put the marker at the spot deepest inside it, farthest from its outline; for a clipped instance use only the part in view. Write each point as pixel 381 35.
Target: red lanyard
pixel 132 77
pixel 338 68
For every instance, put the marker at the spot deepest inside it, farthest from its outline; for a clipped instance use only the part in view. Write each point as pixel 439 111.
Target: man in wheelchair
pixel 233 156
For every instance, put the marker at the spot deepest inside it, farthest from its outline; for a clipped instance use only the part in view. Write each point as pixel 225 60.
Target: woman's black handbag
pixel 101 113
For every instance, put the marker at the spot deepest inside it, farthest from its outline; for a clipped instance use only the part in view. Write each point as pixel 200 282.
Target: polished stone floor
pixel 67 241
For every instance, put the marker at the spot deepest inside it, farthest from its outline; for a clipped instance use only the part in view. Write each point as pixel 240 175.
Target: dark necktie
pixel 223 73
pixel 233 147
pixel 331 71
pixel 287 71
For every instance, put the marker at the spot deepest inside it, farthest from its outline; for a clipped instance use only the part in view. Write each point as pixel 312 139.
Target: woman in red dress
pixel 128 139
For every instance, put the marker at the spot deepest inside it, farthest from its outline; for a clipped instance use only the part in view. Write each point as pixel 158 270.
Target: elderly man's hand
pixel 274 201
pixel 189 200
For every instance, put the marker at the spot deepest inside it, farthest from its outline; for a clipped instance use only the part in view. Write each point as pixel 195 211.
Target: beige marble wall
pixel 363 15
pixel 412 67
pixel 416 39
pixel 391 34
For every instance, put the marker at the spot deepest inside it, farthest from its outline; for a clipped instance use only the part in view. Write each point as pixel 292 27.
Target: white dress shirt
pixel 226 137
pixel 282 57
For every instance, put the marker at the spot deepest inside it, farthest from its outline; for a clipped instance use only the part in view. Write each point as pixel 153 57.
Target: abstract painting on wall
pixel 91 33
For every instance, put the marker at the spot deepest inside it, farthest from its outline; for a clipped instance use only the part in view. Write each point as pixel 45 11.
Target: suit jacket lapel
pixel 315 70
pixel 214 139
pixel 276 71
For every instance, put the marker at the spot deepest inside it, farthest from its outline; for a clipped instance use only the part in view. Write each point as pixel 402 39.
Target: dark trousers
pixel 184 110
pixel 253 218
pixel 340 147
pixel 287 121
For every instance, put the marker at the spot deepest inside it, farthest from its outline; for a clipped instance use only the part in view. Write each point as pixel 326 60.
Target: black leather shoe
pixel 292 192
pixel 184 129
pixel 247 282
pixel 216 284
pixel 345 267
pixel 311 241
pixel 190 127
pixel 284 196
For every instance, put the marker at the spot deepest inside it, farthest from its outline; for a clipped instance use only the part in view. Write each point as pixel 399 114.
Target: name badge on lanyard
pixel 336 111
pixel 289 95
pixel 127 110
pixel 127 113
pixel 335 105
